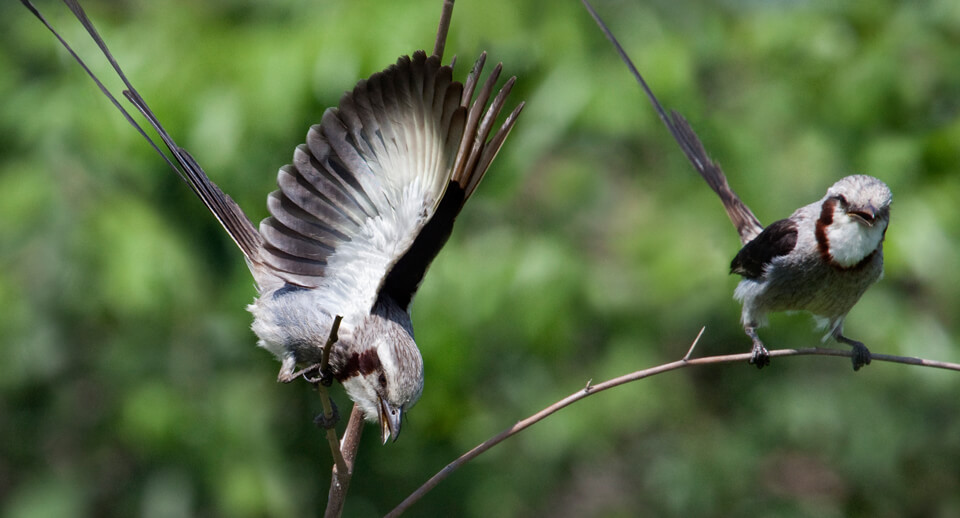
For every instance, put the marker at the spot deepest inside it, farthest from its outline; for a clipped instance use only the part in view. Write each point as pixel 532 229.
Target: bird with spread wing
pixel 368 202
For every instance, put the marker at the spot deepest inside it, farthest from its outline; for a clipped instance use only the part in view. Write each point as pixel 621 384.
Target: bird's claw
pixel 328 422
pixel 861 355
pixel 324 376
pixel 760 358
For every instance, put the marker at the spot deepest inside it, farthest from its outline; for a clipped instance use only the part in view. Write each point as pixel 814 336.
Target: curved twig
pixel 591 389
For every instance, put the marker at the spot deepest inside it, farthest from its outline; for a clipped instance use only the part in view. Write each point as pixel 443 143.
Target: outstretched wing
pixel 473 159
pixel 363 206
pixel 370 177
pixel 748 226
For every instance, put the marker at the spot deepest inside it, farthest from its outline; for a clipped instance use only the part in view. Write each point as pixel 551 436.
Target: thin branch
pixel 328 413
pixel 332 339
pixel 591 389
pixel 442 29
pixel 693 346
pixel 340 481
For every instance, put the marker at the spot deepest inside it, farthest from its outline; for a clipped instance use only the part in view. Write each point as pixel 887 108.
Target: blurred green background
pixel 130 384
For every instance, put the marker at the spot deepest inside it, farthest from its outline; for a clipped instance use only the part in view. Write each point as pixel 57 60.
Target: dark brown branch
pixel 325 397
pixel 591 389
pixel 442 29
pixel 340 481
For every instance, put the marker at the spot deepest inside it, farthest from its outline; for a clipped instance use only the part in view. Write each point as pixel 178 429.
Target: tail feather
pixel 748 226
pixel 227 212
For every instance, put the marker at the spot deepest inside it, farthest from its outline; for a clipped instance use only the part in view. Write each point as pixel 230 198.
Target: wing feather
pixel 475 152
pixel 293 217
pixel 778 239
pixel 369 177
pixel 314 201
pixel 326 163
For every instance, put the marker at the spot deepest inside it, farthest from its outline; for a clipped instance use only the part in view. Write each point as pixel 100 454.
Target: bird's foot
pixel 323 376
pixel 861 355
pixel 312 375
pixel 761 357
pixel 328 422
pixel 287 370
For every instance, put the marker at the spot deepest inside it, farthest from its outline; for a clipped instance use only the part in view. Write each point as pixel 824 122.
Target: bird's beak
pixel 389 421
pixel 868 214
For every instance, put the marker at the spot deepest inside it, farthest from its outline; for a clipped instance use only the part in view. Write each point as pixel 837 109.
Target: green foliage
pixel 130 383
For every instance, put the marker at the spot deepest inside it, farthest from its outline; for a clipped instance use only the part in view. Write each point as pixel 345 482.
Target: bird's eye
pixel 842 199
pixel 382 379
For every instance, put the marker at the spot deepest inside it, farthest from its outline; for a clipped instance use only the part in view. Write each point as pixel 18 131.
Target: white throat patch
pixel 851 240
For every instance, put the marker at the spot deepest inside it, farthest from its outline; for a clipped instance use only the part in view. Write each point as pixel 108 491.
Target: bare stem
pixel 693 346
pixel 590 389
pixel 442 28
pixel 340 481
pixel 331 339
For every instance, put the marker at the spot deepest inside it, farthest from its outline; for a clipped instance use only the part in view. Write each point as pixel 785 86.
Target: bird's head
pixel 864 198
pixel 854 218
pixel 382 372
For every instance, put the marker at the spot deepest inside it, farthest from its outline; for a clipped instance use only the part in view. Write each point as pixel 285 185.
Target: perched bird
pixel 821 259
pixel 359 215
